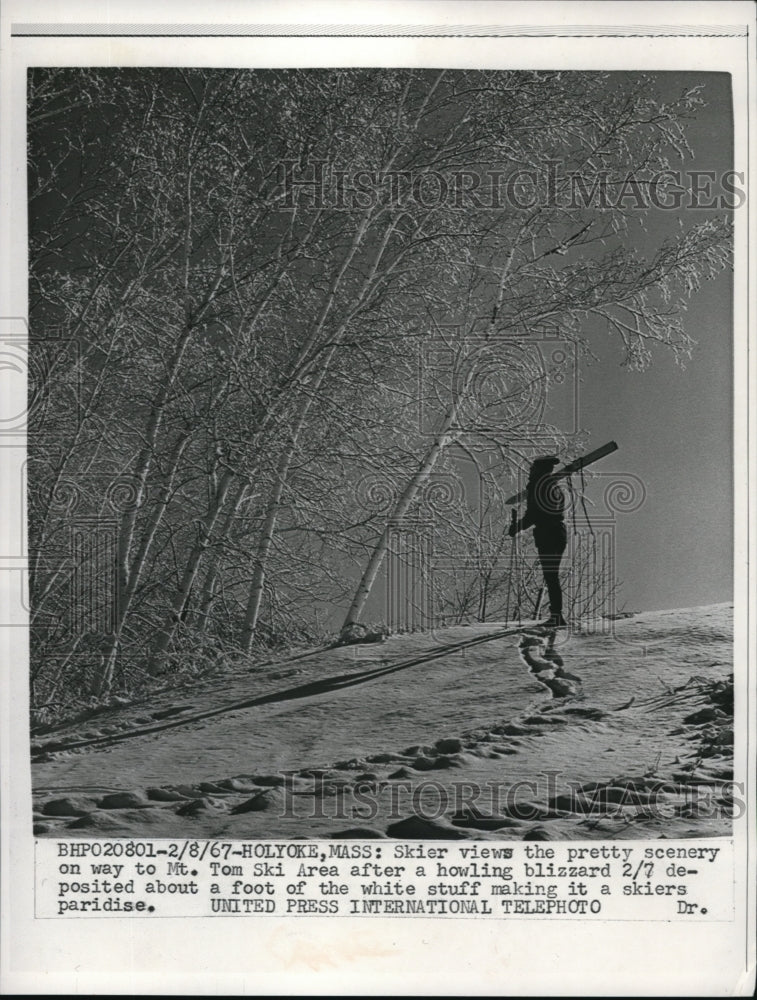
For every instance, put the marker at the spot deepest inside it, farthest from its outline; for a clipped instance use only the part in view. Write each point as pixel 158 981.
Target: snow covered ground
pixel 446 735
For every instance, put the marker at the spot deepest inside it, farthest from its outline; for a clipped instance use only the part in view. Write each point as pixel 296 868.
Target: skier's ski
pixel 571 467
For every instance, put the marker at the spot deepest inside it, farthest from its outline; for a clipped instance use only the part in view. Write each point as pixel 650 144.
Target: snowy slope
pixel 410 738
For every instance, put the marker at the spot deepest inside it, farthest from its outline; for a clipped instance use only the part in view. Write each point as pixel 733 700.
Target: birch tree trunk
pixel 181 598
pixel 252 612
pixel 130 581
pixel 447 434
pixel 402 506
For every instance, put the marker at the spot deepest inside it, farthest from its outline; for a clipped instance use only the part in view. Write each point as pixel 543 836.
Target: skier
pixel 545 507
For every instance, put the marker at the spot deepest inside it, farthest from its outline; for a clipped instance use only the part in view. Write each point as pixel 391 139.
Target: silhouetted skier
pixel 545 507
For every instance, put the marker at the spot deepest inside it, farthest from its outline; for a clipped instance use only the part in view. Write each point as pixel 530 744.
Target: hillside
pixel 467 732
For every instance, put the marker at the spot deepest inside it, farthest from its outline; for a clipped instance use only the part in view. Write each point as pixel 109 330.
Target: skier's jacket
pixel 545 505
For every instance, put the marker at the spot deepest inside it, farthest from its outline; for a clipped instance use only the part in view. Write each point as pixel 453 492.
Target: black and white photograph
pixel 320 541
pixel 384 479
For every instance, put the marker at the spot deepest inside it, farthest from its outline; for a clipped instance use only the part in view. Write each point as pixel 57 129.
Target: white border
pixel 318 956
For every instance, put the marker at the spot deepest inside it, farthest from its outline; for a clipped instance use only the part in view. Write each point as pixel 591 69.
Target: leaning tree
pixel 234 277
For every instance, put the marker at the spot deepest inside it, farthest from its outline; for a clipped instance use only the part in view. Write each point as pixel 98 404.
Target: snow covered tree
pixel 247 267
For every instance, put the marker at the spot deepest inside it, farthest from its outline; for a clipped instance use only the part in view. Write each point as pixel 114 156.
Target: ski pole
pixel 513 521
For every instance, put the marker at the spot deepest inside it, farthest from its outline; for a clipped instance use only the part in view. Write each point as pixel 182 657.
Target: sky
pixel 674 427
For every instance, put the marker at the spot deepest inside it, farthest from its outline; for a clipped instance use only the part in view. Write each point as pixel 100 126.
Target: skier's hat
pixel 545 462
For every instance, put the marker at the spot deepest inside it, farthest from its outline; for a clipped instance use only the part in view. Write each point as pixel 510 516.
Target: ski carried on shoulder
pixel 575 466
